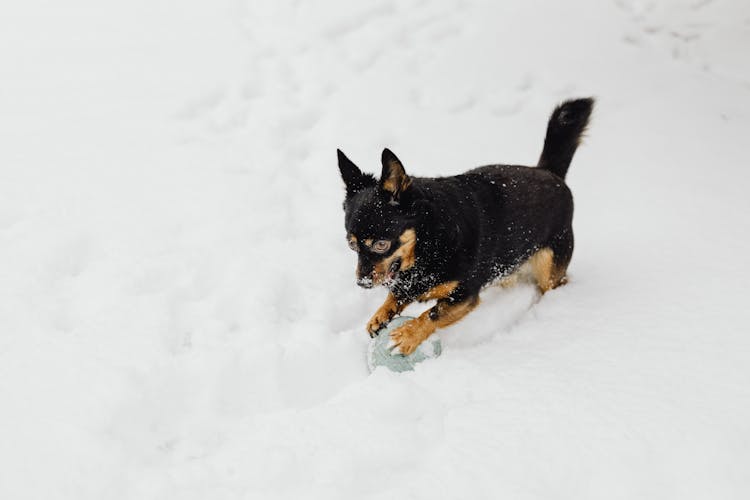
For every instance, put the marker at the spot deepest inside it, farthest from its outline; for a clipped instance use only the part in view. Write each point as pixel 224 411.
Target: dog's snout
pixel 365 274
pixel 365 282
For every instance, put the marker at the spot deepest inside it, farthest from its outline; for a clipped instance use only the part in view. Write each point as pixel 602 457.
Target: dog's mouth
pixel 377 278
pixel 392 274
pixel 394 269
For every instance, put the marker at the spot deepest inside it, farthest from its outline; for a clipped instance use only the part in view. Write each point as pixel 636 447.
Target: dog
pixel 447 238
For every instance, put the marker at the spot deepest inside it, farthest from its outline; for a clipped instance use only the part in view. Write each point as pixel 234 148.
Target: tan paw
pixel 407 337
pixel 378 321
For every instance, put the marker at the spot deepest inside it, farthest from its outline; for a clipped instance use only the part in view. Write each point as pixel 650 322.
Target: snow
pixel 179 317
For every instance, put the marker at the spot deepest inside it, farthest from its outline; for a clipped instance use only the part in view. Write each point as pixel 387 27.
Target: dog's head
pixel 380 220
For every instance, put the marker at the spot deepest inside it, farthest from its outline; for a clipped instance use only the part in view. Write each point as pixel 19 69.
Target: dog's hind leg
pixel 550 264
pixel 512 279
pixel 546 274
pixel 562 249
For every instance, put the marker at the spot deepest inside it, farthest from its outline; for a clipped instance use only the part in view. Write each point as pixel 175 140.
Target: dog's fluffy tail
pixel 564 131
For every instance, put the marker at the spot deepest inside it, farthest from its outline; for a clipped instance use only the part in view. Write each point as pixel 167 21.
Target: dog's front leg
pixel 391 307
pixel 407 337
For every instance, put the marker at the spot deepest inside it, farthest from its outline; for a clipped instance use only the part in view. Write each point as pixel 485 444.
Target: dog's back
pixel 499 216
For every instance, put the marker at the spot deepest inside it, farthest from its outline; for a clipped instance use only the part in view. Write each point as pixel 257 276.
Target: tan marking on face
pixel 405 251
pixel 408 336
pixel 440 291
pixel 379 273
pixel 368 242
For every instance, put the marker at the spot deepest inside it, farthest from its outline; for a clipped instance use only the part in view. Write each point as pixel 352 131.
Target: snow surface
pixel 179 317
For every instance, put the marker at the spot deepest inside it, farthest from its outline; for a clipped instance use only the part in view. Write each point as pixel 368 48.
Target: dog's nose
pixel 365 282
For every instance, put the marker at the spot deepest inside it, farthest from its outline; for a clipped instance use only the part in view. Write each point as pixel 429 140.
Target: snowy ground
pixel 179 317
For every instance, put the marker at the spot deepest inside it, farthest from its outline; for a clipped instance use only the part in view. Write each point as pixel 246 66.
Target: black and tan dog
pixel 446 238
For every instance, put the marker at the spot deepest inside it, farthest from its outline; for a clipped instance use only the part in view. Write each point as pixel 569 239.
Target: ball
pixel 381 352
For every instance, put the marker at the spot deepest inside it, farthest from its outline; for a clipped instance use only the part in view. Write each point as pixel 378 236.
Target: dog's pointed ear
pixel 393 180
pixel 353 177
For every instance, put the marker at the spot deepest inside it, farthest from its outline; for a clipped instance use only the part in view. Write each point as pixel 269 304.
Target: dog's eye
pixel 353 245
pixel 381 246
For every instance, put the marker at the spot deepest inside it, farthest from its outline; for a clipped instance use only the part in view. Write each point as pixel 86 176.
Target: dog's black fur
pixel 471 229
